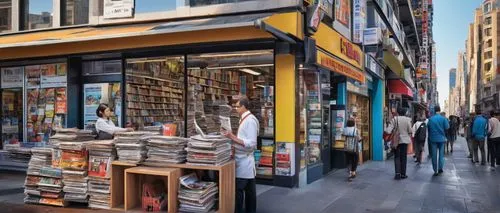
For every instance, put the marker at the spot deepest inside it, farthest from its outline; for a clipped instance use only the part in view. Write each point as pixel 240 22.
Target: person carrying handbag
pixel 400 129
pixel 351 147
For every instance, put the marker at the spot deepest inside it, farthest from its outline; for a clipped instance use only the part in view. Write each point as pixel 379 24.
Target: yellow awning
pixel 94 39
pixel 393 63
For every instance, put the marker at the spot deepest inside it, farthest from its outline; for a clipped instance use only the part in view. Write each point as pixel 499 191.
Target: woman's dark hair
pixel 350 123
pixel 100 110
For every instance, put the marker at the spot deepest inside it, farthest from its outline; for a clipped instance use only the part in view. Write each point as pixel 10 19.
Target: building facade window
pixel 487 67
pixel 488 55
pixel 74 12
pixel 5 15
pixel 487 31
pixel 196 3
pixel 36 14
pixel 149 6
pixel 487 21
pixel 487 7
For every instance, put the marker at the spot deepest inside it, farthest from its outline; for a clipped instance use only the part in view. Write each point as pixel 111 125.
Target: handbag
pixel 351 143
pixel 395 136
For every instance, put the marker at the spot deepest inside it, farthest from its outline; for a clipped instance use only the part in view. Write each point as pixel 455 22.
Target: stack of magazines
pixel 41 157
pixel 131 146
pixel 70 135
pixel 165 149
pixel 43 184
pixel 17 153
pixel 208 150
pixel 101 155
pixel 75 186
pixel 197 196
pixel 45 188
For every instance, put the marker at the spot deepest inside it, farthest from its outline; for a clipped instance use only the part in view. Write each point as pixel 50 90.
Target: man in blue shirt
pixel 437 127
pixel 479 134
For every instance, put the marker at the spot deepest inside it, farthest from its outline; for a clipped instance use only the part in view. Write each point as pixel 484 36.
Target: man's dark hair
pixel 350 123
pixel 401 111
pixel 437 109
pixel 244 102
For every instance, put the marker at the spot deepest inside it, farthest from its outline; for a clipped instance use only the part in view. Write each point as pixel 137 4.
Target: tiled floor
pixel 464 187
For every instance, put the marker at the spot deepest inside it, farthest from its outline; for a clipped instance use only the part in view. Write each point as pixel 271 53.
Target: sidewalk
pixel 464 187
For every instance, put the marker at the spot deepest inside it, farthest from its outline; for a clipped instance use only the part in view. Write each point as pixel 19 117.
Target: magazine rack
pixel 118 184
pixel 136 176
pixel 227 178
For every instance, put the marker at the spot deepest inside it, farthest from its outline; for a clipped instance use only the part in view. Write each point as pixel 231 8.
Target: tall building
pixel 453 78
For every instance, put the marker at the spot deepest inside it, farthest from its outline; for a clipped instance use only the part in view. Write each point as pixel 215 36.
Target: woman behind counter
pixel 104 124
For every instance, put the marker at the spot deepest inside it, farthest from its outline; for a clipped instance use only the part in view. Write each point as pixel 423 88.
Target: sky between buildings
pixel 451 23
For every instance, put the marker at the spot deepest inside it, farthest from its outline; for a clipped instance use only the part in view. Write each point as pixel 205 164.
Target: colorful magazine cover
pixel 61 69
pixel 33 76
pixel 99 166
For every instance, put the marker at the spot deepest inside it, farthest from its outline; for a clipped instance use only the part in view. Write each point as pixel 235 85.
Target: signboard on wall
pixel 118 8
pixel 12 77
pixel 342 20
pixel 359 20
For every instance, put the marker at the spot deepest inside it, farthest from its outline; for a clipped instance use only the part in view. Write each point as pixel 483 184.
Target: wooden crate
pixel 136 176
pixel 118 184
pixel 227 182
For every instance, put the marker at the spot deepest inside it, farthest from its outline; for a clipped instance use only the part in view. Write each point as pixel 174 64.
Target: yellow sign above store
pixel 334 43
pixel 340 67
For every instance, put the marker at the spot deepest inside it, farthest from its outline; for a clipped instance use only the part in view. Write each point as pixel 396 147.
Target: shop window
pixel 359 110
pixel 46 101
pixel 196 3
pixel 310 117
pixel 36 14
pixel 149 6
pixel 74 12
pixel 155 92
pixel 216 81
pixel 11 106
pixel 5 15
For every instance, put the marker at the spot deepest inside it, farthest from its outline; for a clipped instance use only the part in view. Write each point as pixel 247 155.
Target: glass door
pixel 101 93
pixel 12 116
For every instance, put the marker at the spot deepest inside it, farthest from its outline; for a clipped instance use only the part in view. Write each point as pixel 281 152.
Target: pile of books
pixel 43 184
pixel 74 164
pixel 195 195
pixel 165 149
pixel 131 146
pixel 208 150
pixel 17 153
pixel 101 155
pixel 45 188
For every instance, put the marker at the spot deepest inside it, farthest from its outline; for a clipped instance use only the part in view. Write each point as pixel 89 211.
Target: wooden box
pixel 136 176
pixel 118 184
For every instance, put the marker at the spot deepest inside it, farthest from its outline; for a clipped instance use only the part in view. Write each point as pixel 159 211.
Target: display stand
pixel 118 184
pixel 136 176
pixel 227 185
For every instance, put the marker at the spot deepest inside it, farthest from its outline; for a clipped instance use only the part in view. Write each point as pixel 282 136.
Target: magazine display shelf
pixel 136 176
pixel 118 184
pixel 227 184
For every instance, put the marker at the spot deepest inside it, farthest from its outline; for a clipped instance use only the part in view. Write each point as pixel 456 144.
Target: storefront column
pixel 378 119
pixel 285 116
pixel 342 94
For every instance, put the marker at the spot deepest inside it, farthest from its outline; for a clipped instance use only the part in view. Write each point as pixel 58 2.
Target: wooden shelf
pixel 154 102
pixel 212 79
pixel 153 78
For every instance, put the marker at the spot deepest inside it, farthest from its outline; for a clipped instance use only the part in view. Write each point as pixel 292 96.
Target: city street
pixel 463 187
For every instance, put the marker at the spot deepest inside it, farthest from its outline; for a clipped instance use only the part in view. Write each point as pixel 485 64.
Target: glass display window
pixel 46 101
pixel 215 83
pixel 155 92
pixel 95 94
pixel 313 116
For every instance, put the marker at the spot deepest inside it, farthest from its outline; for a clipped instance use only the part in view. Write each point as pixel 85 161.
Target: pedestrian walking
pixel 468 134
pixel 437 127
pixel 353 137
pixel 479 134
pixel 419 138
pixel 452 132
pixel 401 130
pixel 494 140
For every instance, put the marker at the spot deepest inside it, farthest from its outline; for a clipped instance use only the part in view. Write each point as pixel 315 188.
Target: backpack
pixel 421 133
pixel 395 136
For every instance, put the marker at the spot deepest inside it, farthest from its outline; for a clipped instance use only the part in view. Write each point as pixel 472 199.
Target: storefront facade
pixel 167 74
